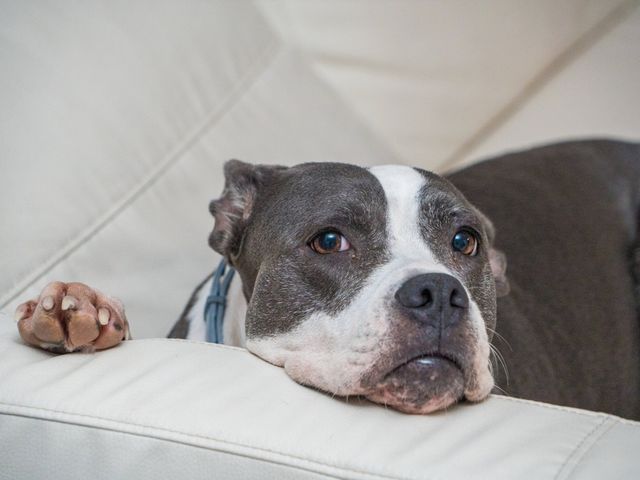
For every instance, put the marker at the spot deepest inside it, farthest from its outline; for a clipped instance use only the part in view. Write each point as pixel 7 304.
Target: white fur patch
pixel 233 328
pixel 402 187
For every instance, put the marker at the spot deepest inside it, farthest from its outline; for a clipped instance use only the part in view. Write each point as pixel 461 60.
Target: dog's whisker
pixel 500 337
pixel 500 361
pixel 495 353
pixel 502 390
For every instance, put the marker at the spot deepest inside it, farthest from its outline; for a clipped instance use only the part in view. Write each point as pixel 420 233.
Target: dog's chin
pixel 422 385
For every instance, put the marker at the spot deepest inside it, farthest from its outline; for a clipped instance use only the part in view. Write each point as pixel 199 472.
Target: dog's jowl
pixel 391 282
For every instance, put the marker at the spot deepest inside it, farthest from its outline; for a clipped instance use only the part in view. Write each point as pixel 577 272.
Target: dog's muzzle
pixel 427 375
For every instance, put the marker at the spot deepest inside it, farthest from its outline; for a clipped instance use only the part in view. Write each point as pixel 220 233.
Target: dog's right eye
pixel 329 242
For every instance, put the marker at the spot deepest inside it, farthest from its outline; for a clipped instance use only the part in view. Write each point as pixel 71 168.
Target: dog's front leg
pixel 70 317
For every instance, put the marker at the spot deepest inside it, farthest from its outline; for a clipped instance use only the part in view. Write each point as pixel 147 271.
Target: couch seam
pixel 573 410
pixel 154 433
pixel 174 155
pixel 597 432
pixel 556 65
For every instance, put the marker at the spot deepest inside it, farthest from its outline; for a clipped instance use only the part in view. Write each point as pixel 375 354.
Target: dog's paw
pixel 70 317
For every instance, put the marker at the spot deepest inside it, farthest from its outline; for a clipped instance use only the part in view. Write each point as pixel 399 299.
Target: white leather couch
pixel 116 118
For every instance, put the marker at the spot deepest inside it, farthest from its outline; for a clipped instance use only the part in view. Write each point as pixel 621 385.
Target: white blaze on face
pixel 402 186
pixel 332 352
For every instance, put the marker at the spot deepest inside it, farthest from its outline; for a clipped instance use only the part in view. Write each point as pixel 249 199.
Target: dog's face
pixel 378 282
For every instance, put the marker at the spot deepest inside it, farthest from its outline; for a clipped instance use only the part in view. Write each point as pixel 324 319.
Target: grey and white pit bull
pixel 390 282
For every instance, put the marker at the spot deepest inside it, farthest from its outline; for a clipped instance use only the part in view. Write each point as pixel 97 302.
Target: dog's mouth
pixel 422 384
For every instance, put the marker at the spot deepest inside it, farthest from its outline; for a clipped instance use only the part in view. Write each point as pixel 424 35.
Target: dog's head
pixel 379 282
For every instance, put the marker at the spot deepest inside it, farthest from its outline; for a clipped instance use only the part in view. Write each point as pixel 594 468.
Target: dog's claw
pixel 103 316
pixel 69 302
pixel 48 303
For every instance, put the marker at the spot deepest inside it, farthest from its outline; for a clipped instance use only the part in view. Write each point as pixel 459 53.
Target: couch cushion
pixel 160 408
pixel 596 94
pixel 117 119
pixel 433 78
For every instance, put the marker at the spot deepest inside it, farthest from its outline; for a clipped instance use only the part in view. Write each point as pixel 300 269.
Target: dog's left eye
pixel 329 242
pixel 465 242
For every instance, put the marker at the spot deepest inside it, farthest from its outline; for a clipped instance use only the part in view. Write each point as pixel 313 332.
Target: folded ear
pixel 233 209
pixel 497 259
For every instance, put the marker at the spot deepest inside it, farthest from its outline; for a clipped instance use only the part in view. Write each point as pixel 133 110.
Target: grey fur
pixel 566 216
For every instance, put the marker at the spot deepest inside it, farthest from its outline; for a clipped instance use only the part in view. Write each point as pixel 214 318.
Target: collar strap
pixel 217 302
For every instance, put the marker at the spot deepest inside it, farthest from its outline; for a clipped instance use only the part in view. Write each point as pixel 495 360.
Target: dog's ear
pixel 233 209
pixel 498 262
pixel 497 259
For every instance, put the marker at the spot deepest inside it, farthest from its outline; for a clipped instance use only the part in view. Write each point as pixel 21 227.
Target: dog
pixel 391 282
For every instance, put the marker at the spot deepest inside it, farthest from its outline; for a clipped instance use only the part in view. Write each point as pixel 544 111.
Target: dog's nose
pixel 434 297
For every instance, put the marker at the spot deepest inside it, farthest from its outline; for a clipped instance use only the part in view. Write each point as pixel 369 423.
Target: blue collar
pixel 217 302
